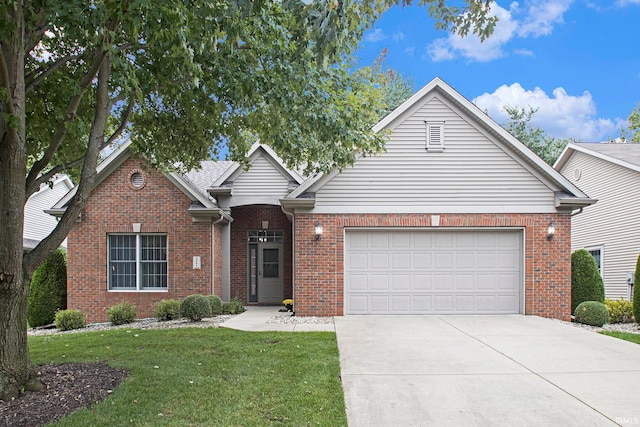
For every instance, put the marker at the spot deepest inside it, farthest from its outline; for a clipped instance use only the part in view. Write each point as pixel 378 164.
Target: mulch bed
pixel 69 387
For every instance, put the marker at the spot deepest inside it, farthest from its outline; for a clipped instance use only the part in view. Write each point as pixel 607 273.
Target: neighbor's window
pixel 596 253
pixel 137 262
pixel 435 136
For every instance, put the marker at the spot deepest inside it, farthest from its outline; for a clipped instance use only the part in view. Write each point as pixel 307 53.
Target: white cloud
pixel 560 115
pixel 524 52
pixel 627 2
pixel 398 36
pixel 410 51
pixel 535 20
pixel 541 17
pixel 375 36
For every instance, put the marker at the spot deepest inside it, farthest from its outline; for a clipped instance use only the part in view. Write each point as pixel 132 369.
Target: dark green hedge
pixel 48 292
pixel 586 283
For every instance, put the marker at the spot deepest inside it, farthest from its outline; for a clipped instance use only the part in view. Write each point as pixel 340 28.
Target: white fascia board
pixel 428 210
pixel 563 157
pixel 602 156
pixel 188 189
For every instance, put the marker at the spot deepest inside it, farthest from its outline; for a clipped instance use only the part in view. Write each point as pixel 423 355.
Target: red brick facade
pixel 160 207
pixel 319 281
pixel 247 218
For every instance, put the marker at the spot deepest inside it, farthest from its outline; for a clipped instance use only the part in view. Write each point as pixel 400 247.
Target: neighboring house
pixel 37 224
pixel 609 230
pixel 454 218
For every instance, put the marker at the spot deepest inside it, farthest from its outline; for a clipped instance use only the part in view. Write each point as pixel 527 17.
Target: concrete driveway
pixel 485 371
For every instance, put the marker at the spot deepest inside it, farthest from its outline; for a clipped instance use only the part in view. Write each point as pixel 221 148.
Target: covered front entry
pixel 266 272
pixel 430 271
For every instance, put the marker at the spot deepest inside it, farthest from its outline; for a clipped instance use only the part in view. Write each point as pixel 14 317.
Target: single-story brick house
pixel 456 217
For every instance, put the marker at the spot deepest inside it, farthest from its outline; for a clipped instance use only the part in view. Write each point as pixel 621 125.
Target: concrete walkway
pixel 256 319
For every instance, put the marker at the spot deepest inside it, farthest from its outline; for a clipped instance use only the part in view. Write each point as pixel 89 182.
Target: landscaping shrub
pixel 233 307
pixel 586 283
pixel 48 292
pixel 636 292
pixel 66 320
pixel 620 311
pixel 121 313
pixel 167 309
pixel 216 304
pixel 592 313
pixel 195 308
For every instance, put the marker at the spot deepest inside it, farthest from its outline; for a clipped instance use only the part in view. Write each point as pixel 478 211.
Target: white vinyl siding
pixel 472 174
pixel 433 272
pixel 263 183
pixel 37 224
pixel 613 222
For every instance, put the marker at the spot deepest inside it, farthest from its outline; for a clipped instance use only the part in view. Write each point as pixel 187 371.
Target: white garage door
pixel 433 272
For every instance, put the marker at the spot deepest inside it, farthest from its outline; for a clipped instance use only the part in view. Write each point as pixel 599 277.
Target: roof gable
pixel 625 155
pixel 439 90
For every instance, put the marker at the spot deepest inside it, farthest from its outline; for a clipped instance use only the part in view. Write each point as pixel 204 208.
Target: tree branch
pixel 123 124
pixel 44 72
pixel 88 177
pixel 61 132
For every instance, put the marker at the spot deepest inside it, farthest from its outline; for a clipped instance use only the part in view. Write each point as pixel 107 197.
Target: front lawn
pixel 627 336
pixel 213 377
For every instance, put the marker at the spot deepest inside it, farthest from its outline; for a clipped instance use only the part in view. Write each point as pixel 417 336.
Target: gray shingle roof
pixel 205 177
pixel 629 153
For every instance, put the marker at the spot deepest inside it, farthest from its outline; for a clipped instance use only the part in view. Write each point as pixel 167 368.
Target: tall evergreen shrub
pixel 48 292
pixel 586 283
pixel 636 292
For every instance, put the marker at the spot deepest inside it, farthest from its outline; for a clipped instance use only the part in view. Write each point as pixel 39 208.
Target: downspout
pixel 292 217
pixel 213 252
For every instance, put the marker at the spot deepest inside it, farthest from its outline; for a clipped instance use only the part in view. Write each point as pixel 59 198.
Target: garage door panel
pixel 401 282
pixel 421 282
pixel 435 272
pixel 379 282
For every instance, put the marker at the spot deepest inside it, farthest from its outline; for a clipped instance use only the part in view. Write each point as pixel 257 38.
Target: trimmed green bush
pixel 620 311
pixel 636 293
pixel 592 313
pixel 167 309
pixel 195 308
pixel 48 292
pixel 586 283
pixel 216 304
pixel 67 320
pixel 233 307
pixel 121 313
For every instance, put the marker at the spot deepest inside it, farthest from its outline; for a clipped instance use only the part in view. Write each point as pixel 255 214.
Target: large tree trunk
pixel 15 366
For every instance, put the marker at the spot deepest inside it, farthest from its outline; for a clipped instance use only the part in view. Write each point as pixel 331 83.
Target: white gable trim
pixel 570 148
pixel 271 156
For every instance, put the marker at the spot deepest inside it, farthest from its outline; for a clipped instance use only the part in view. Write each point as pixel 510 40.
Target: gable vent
pixel 137 180
pixel 435 136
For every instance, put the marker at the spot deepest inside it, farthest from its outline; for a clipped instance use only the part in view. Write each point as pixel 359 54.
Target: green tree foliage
pixel 394 87
pixel 182 80
pixel 636 292
pixel 546 147
pixel 632 132
pixel 592 313
pixel 48 291
pixel 586 283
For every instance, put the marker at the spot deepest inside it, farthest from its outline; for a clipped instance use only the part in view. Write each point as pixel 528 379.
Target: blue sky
pixel 578 61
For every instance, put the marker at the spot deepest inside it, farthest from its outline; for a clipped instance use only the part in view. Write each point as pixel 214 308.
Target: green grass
pixel 627 336
pixel 207 377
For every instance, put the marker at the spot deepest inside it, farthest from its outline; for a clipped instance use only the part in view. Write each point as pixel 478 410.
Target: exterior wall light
pixel 318 231
pixel 551 230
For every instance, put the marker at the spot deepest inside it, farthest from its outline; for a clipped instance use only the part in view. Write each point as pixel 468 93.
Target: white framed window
pixel 137 262
pixel 597 253
pixel 434 136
